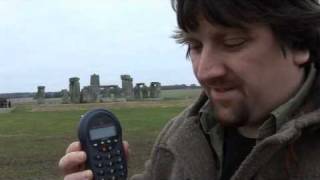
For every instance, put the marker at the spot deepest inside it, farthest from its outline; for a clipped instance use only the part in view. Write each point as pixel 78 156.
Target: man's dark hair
pixel 295 23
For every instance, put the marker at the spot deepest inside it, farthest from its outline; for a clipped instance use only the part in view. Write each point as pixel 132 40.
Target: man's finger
pixel 83 175
pixel 72 162
pixel 126 149
pixel 75 146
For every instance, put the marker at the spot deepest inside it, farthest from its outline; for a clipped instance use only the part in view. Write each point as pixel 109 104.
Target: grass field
pixel 33 138
pixel 180 94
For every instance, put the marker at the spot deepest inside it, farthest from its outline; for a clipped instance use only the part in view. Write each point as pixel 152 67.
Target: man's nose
pixel 210 65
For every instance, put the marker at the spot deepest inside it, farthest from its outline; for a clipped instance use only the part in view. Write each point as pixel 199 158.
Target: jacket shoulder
pixel 180 151
pixel 182 125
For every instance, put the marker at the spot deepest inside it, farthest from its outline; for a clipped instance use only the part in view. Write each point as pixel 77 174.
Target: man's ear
pixel 301 57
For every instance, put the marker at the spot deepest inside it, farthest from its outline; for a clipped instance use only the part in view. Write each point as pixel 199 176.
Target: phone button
pixel 109 156
pixel 99 165
pixel 121 174
pixel 119 159
pixel 118 152
pixel 98 157
pixel 103 148
pixel 100 173
pixel 109 163
pixel 111 171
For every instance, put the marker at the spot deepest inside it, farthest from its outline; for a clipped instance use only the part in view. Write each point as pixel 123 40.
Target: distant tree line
pixel 180 86
pixel 30 95
pixel 17 95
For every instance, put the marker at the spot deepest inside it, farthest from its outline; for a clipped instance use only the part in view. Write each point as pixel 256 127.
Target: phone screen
pixel 104 132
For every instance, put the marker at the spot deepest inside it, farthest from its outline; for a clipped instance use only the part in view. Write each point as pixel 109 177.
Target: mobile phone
pixel 100 135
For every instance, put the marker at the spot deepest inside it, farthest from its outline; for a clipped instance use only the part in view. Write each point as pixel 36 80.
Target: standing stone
pixel 4 103
pixel 110 91
pixel 137 91
pixel 40 96
pixel 141 91
pixel 65 96
pixel 114 91
pixel 74 89
pixel 90 94
pixel 127 86
pixel 145 91
pixel 155 90
pixel 104 92
pixel 94 80
pixel 85 96
pixel 94 89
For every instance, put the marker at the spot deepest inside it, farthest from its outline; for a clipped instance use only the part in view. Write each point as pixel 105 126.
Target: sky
pixel 45 42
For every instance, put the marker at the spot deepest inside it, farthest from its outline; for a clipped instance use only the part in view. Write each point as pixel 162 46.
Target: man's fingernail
pixel 88 174
pixel 83 155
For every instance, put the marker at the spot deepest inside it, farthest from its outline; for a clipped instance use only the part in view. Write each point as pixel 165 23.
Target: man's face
pixel 244 71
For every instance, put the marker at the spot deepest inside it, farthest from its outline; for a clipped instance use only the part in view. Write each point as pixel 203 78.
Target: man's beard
pixel 231 114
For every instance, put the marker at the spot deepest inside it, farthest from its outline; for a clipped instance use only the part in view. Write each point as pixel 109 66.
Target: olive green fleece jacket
pixel 182 152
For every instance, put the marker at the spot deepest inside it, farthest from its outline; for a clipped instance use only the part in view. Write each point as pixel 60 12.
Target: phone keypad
pixel 109 163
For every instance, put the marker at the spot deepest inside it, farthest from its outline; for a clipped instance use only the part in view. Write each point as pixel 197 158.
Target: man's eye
pixel 234 42
pixel 194 45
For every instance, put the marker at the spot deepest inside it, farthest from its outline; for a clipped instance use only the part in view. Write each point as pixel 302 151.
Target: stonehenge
pixel 96 92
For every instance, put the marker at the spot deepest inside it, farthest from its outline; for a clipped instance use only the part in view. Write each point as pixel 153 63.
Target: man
pixel 258 117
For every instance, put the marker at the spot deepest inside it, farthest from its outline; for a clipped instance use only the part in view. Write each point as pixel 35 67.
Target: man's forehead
pixel 216 29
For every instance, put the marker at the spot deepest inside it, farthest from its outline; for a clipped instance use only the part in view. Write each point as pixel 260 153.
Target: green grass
pixel 180 93
pixel 33 142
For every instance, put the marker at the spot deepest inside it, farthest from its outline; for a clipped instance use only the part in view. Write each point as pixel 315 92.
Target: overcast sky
pixel 45 42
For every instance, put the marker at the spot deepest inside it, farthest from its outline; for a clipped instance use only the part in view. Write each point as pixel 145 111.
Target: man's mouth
pixel 224 92
pixel 223 89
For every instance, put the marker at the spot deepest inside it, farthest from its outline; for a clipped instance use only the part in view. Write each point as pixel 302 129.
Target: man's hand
pixel 72 163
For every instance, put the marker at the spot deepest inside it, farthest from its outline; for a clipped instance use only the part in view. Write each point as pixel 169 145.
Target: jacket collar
pixel 289 109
